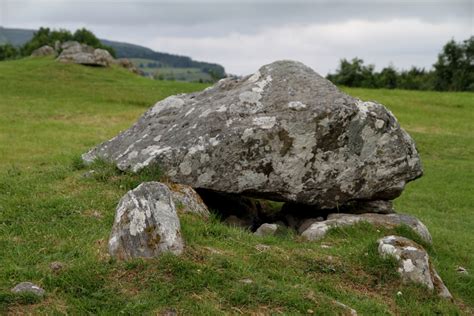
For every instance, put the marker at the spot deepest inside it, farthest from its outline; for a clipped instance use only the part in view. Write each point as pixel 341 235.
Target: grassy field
pixel 50 113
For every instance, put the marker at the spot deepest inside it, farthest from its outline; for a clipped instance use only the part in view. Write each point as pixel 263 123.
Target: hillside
pixel 18 37
pixel 49 211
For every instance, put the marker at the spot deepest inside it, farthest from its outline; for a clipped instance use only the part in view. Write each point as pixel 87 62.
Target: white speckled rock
pixel 28 287
pixel 146 223
pixel 414 263
pixel 284 133
pixel 318 230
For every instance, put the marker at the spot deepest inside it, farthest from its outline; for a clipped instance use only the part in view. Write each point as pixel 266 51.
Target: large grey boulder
pixel 74 52
pixel 414 263
pixel 318 230
pixel 146 224
pixel 284 133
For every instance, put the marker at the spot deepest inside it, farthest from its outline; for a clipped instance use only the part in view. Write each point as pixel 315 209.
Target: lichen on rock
pixel 284 133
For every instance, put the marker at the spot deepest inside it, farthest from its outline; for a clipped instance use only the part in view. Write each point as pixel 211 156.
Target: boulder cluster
pixel 77 53
pixel 280 149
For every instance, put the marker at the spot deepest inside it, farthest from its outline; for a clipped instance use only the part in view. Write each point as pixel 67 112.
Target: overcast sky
pixel 243 35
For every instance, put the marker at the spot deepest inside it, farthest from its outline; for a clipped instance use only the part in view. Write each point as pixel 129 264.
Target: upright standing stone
pixel 146 224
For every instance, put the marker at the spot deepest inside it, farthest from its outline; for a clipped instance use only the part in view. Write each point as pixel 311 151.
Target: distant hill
pixel 209 71
pixel 15 37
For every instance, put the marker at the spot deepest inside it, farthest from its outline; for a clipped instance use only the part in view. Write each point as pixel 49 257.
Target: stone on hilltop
pixel 45 50
pixel 74 52
pixel 146 224
pixel 284 133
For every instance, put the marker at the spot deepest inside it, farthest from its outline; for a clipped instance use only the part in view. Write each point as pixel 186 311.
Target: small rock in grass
pixel 246 281
pixel 462 270
pixel 56 266
pixel 413 263
pixel 267 230
pixel 28 287
pixel 351 311
pixel 214 251
pixel 169 312
pixel 262 247
pixel 88 174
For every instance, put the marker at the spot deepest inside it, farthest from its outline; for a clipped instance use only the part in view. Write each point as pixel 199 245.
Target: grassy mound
pixel 51 113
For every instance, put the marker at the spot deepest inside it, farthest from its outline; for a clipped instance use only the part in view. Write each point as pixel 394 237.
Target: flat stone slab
pixel 318 230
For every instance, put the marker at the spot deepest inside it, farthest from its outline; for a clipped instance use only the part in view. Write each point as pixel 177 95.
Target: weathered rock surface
pixel 74 52
pixel 318 230
pixel 187 200
pixel 414 263
pixel 284 133
pixel 267 229
pixel 28 287
pixel 146 223
pixel 45 50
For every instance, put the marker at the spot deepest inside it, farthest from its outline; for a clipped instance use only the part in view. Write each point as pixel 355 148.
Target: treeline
pixel 45 36
pixel 453 71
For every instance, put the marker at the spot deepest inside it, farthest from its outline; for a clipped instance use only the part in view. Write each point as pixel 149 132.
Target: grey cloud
pixel 244 34
pixel 223 17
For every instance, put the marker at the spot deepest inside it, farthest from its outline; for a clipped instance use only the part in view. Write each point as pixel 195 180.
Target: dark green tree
pixel 454 69
pixel 8 51
pixel 85 36
pixel 388 78
pixel 353 74
pixel 44 36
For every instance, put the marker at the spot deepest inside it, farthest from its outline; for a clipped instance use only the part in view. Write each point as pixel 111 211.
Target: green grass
pixel 50 113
